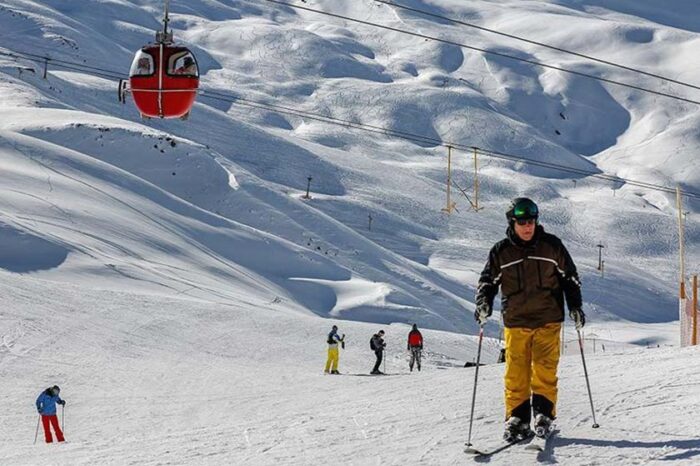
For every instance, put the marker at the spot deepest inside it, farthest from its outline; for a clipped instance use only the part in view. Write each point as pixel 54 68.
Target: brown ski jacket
pixel 534 278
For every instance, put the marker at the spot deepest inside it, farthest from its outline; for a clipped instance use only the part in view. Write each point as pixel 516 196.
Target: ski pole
pixel 385 357
pixel 36 434
pixel 476 378
pixel 63 418
pixel 585 373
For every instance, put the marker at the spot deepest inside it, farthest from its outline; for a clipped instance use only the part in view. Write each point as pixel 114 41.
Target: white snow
pixel 173 279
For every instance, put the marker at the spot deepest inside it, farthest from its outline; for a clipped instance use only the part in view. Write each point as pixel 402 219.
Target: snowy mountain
pixel 179 261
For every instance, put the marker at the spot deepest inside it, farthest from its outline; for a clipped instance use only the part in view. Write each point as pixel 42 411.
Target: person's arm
pixel 487 290
pixel 570 282
pixel 40 403
pixel 60 401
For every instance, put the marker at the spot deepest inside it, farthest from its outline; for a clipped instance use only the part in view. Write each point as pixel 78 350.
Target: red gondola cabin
pixel 163 80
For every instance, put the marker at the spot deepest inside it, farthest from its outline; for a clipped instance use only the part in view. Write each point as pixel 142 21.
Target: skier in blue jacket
pixel 46 405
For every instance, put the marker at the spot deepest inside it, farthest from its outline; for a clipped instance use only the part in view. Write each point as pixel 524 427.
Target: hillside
pixel 248 167
pixel 172 277
pixel 150 380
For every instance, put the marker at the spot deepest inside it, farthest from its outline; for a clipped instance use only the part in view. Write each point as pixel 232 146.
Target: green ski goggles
pixel 525 210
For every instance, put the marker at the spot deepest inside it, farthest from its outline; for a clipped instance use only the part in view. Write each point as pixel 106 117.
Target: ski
pixel 539 444
pixel 472 450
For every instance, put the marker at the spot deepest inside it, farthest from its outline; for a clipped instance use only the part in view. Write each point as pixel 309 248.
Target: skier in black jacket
pixel 535 274
pixel 377 345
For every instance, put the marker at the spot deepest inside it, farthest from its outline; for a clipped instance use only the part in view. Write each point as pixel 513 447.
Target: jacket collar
pixel 515 240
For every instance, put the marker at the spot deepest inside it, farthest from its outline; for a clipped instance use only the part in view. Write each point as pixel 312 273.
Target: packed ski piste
pixel 271 232
pixel 536 275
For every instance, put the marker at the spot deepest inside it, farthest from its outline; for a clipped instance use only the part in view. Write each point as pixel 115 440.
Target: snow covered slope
pixel 150 380
pixel 173 279
pixel 251 166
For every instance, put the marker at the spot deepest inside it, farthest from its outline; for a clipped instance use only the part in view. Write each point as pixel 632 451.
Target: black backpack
pixel 371 344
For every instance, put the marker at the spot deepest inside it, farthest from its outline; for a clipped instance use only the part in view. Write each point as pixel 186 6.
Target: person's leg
pixel 518 372
pixel 545 361
pixel 334 354
pixel 378 354
pixel 329 360
pixel 419 355
pixel 413 359
pixel 56 428
pixel 47 428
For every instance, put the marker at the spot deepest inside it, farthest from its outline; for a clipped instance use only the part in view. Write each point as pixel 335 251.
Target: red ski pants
pixel 51 420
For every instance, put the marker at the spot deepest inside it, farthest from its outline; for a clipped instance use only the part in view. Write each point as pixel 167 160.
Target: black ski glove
pixel 578 317
pixel 61 402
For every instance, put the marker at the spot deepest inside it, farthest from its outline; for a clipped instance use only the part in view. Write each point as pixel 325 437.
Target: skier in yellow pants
pixel 532 357
pixel 333 351
pixel 535 274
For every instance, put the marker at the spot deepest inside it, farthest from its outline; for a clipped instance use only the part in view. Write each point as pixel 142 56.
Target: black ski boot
pixel 516 430
pixel 543 425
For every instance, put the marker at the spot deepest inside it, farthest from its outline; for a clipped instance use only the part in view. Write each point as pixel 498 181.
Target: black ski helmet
pixel 522 208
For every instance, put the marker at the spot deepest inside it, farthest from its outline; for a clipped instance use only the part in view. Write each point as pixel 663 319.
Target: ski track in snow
pixel 191 383
pixel 173 279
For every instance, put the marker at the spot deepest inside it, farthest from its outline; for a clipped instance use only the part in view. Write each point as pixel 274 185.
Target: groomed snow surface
pixel 155 381
pixel 172 279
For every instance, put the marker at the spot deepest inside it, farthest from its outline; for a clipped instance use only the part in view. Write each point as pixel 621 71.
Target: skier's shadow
pixel 691 447
pixel 547 456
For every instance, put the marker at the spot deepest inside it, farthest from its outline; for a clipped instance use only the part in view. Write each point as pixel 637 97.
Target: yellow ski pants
pixel 532 358
pixel 333 357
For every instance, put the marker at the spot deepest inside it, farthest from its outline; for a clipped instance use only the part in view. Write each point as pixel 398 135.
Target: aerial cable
pixel 33 56
pixel 416 138
pixel 539 44
pixel 489 52
pixel 438 142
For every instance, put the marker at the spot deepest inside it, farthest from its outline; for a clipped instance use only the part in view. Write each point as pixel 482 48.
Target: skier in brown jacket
pixel 535 273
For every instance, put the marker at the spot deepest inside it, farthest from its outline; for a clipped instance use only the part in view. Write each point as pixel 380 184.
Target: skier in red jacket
pixel 415 346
